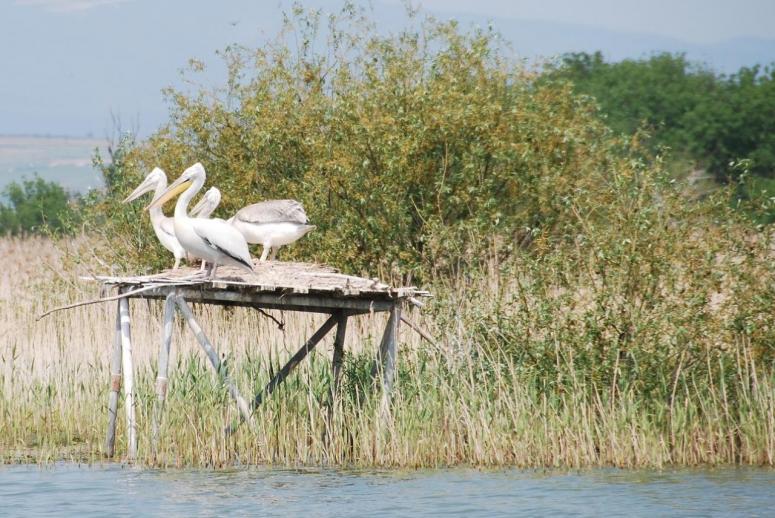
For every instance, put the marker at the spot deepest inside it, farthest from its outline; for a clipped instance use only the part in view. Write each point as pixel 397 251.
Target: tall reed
pixel 527 370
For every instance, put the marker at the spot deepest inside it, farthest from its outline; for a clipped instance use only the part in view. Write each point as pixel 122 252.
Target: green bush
pixel 407 151
pixel 35 206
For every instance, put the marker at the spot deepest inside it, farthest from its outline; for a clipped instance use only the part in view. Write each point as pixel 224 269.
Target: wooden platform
pixel 273 285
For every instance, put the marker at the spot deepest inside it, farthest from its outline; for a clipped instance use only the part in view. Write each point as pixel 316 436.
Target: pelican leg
pixel 274 253
pixel 265 254
pixel 204 265
pixel 177 263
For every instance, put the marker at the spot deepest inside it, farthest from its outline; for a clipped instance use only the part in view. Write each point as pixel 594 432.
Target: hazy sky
pixel 696 21
pixel 66 65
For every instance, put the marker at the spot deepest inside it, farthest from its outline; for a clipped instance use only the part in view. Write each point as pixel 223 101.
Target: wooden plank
pixel 215 361
pixel 163 365
pixel 295 360
pixel 115 386
pixel 128 373
pixel 287 301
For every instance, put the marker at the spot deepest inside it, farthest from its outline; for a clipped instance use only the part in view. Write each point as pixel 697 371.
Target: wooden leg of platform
pixel 336 367
pixel 115 386
pixel 387 356
pixel 295 360
pixel 128 370
pixel 212 355
pixel 163 365
pixel 341 330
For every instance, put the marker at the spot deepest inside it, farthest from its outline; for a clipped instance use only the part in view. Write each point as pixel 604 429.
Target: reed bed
pixel 514 378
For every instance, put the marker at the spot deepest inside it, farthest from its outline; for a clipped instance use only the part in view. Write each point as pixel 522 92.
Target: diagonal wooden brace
pixel 212 355
pixel 296 359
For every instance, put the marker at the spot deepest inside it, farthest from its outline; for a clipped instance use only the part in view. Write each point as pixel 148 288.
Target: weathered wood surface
pixel 163 366
pixel 386 360
pixel 215 361
pixel 338 358
pixel 296 359
pixel 115 386
pixel 128 372
pixel 277 277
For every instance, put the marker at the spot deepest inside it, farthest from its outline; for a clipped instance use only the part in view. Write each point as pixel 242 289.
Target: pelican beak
pixel 143 188
pixel 178 186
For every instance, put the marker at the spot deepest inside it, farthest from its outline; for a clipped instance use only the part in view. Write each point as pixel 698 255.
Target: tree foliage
pixel 407 150
pixel 35 206
pixel 717 120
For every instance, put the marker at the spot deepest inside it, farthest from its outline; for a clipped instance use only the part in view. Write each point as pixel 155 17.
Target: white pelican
pixel 162 225
pixel 272 223
pixel 213 240
pixel 207 204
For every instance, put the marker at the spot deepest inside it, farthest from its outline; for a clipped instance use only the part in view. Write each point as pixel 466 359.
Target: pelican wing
pixel 274 211
pixel 224 238
pixel 167 225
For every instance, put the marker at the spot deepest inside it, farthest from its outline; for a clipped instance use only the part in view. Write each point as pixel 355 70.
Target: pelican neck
pixel 181 207
pixel 156 213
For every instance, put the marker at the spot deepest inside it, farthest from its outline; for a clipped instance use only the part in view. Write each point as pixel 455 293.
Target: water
pixel 67 161
pixel 67 489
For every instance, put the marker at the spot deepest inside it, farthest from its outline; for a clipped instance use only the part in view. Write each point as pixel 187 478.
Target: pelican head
pixel 207 204
pixel 149 184
pixel 194 174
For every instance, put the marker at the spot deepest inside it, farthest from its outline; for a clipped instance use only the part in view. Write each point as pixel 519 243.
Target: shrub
pixel 406 150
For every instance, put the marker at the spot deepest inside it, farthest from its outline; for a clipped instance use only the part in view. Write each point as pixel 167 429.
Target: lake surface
pixel 67 161
pixel 67 489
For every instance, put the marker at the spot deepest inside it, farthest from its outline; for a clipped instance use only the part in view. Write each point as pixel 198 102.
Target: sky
pixel 694 21
pixel 73 67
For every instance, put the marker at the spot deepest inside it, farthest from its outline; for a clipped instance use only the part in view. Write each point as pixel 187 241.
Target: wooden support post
pixel 296 359
pixel 336 364
pixel 163 365
pixel 336 367
pixel 386 360
pixel 115 386
pixel 128 371
pixel 212 354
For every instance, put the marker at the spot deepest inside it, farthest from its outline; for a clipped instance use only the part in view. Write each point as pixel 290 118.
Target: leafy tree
pixel 406 150
pixel 35 206
pixel 715 120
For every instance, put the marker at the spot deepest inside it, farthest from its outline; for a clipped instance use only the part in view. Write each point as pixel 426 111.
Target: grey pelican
pixel 213 240
pixel 272 223
pixel 162 225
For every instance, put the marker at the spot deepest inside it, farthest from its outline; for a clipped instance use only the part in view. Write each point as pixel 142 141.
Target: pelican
pixel 272 223
pixel 162 225
pixel 207 204
pixel 213 240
